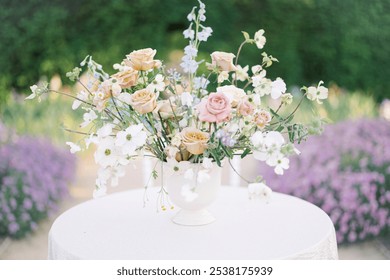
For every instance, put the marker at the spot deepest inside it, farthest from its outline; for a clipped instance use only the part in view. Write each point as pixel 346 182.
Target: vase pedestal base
pixel 193 218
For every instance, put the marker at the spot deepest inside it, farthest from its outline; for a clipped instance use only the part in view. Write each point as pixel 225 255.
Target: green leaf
pixel 245 153
pixel 246 35
pixel 216 157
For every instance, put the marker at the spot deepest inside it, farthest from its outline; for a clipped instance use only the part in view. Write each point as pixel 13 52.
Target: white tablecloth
pixel 119 227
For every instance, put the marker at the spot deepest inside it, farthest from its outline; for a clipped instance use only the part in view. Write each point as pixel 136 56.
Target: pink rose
pixel 215 108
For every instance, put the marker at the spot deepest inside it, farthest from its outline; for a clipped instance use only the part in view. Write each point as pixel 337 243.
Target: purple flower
pixel 33 178
pixel 346 172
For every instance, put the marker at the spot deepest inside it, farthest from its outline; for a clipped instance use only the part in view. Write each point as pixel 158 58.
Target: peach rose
pixel 235 94
pixel 194 140
pixel 215 108
pixel 223 60
pixel 127 78
pixel 142 60
pixel 143 101
pixel 245 108
pixel 262 118
pixel 164 107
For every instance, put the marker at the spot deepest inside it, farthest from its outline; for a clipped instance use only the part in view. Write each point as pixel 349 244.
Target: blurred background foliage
pixel 344 42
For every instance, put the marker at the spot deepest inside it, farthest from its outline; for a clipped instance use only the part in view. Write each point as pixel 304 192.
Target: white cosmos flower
pixel 131 139
pixel 73 147
pixel 257 139
pixel 258 78
pixel 264 87
pixel 107 153
pixel 260 39
pixel 317 93
pixel 104 131
pixel 278 88
pixel 88 118
pixel 82 95
pixel 279 162
pixel 157 85
pixel 186 99
pixel 259 191
pixel 241 73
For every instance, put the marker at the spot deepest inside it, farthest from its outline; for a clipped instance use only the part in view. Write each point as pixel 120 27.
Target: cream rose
pixel 194 140
pixel 143 101
pixel 223 60
pixel 127 78
pixel 142 60
pixel 235 94
pixel 262 118
pixel 165 107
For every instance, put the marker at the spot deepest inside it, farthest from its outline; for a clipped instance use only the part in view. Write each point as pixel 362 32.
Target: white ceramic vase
pixel 192 188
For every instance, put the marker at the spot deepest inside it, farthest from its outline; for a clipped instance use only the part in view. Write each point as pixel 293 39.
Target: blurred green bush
pixel 341 41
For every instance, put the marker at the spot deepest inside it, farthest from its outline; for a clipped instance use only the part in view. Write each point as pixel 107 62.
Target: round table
pixel 119 227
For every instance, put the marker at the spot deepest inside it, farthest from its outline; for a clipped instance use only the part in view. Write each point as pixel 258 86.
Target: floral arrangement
pixel 145 109
pixel 355 189
pixel 33 178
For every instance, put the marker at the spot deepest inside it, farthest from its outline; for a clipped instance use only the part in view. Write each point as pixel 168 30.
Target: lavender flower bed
pixel 346 172
pixel 33 178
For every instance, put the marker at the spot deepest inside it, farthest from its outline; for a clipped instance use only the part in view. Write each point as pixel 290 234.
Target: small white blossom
pixel 157 85
pixel 279 162
pixel 83 96
pixel 190 50
pixel 189 33
pixel 264 87
pixel 287 98
pixel 205 34
pixel 131 139
pixel 191 16
pixel 260 39
pixel 125 97
pixel 73 147
pixel 268 59
pixel 201 83
pixel 317 93
pixel 278 88
pixel 241 73
pixel 176 140
pixel 106 153
pixel 257 79
pixel 171 151
pixel 189 65
pixel 223 76
pixel 88 118
pixel 259 191
pixel 256 69
pixel 183 123
pixel 186 99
